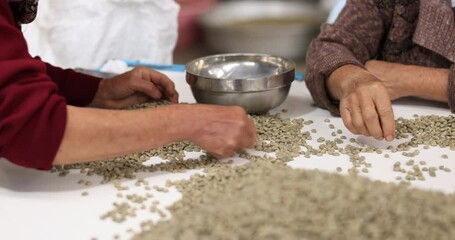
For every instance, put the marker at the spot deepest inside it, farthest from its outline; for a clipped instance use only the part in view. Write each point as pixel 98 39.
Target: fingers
pixel 216 155
pixel 386 117
pixel 345 112
pixel 155 84
pixel 352 117
pixel 223 130
pixel 249 135
pixel 230 148
pixel 245 138
pixel 358 121
pixel 148 88
pixel 228 151
pixel 371 119
pixel 164 83
pixel 171 93
pixel 369 115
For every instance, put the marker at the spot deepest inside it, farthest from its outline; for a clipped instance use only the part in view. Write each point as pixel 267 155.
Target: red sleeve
pixel 77 88
pixel 32 114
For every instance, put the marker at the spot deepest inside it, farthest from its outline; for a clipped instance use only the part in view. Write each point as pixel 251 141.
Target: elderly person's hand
pixel 365 104
pixel 222 130
pixel 394 76
pixel 137 86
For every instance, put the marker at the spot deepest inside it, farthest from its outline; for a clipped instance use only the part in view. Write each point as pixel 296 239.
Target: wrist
pixel 428 83
pixel 183 120
pixel 399 79
pixel 412 82
pixel 345 78
pixel 99 98
pixel 407 82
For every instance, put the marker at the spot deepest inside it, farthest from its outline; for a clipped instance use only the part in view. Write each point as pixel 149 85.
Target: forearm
pixel 410 80
pixel 94 134
pixel 428 83
pixel 352 39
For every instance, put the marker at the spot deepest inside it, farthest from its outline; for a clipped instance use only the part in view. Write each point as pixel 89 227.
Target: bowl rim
pixel 283 79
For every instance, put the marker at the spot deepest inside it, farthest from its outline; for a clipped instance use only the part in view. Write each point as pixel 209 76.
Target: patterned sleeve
pixel 354 38
pixel 451 88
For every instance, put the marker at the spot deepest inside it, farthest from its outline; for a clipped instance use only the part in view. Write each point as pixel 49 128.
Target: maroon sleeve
pixel 77 88
pixel 354 38
pixel 32 114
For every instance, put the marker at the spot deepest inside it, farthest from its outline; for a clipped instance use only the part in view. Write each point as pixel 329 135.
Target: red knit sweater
pixel 33 99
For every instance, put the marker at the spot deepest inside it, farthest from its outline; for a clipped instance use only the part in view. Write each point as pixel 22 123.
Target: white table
pixel 41 205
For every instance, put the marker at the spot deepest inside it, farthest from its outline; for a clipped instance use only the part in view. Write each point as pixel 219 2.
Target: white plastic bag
pixel 87 33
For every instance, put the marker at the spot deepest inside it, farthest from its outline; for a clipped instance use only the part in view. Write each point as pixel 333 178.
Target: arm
pixel 32 114
pixel 410 80
pixel 95 134
pixel 353 39
pixel 38 129
pixel 335 71
pixel 431 83
pixel 134 87
pixel 77 88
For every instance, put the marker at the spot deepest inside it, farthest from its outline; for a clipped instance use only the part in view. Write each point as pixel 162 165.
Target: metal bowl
pixel 279 28
pixel 256 82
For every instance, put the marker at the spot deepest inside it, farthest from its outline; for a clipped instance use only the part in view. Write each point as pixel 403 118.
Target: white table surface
pixel 41 205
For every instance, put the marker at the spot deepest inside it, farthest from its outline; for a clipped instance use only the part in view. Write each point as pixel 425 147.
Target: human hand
pixel 394 76
pixel 365 105
pixel 137 86
pixel 221 130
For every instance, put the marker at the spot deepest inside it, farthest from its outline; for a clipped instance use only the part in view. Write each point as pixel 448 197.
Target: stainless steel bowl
pixel 256 82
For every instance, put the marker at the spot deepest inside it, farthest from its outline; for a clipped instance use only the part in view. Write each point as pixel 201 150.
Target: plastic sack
pixel 87 33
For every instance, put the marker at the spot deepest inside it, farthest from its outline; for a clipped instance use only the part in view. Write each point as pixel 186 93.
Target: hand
pixel 222 131
pixel 365 105
pixel 393 76
pixel 137 86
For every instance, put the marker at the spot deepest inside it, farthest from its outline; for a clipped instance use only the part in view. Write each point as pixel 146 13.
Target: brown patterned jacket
pixel 410 32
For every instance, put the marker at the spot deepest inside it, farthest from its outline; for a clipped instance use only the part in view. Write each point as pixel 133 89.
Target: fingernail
pixel 389 138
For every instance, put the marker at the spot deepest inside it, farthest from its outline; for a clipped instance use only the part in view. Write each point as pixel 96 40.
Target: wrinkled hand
pixel 137 86
pixel 366 109
pixel 365 105
pixel 392 75
pixel 222 131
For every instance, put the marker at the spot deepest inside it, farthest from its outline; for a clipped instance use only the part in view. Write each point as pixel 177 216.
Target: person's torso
pixel 399 43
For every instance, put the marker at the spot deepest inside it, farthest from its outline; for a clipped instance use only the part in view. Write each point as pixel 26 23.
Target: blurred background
pixel 89 34
pixel 279 27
